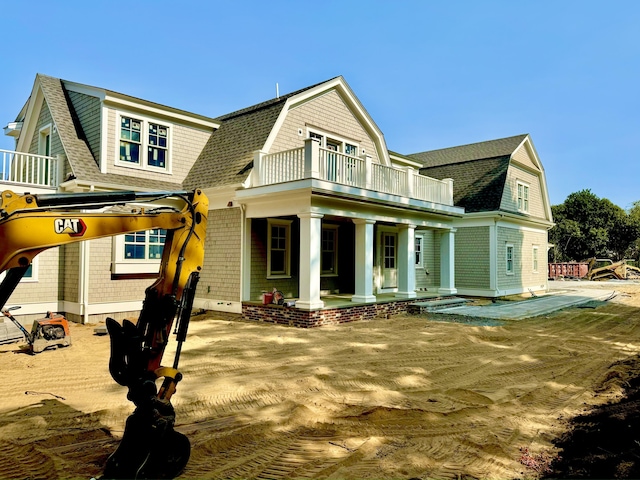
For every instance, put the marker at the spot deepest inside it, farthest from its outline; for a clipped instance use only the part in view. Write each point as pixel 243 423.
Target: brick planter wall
pixel 315 318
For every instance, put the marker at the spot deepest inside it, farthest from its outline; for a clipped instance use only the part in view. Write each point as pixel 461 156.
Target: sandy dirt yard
pixel 405 397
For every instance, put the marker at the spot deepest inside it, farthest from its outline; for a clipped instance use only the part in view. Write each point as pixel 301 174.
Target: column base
pixel 363 298
pixel 309 305
pixel 447 291
pixel 405 295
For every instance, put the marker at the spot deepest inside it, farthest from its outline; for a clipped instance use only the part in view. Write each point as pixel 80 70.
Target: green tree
pixel 588 226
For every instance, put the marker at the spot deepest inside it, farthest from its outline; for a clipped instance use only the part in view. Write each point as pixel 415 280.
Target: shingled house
pixel 304 197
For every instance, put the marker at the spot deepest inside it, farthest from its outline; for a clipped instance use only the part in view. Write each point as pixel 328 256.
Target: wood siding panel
pixel 472 258
pixel 221 273
pixel 46 288
pixel 523 241
pixel 510 195
pixel 328 113
pixel 522 156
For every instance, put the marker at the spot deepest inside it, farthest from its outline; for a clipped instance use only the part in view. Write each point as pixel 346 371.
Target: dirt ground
pixel 405 397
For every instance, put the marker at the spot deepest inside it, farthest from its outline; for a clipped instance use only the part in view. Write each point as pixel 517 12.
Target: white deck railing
pixel 27 168
pixel 312 161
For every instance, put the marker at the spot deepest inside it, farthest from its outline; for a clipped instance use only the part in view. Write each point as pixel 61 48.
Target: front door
pixel 389 260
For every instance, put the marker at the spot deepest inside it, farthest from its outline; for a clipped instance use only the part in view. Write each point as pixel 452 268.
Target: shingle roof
pixel 473 151
pixel 227 158
pixel 478 170
pixel 83 165
pixel 477 184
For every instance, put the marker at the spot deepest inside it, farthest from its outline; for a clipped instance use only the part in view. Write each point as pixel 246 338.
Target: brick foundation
pixel 316 318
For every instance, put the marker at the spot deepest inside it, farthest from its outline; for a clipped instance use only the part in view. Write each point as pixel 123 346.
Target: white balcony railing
pixel 312 161
pixel 29 169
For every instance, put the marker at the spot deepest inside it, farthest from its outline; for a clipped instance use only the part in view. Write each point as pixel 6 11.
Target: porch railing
pixel 27 168
pixel 313 161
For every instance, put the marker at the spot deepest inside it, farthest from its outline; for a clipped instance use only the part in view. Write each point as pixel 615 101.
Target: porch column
pixel 364 261
pixel 447 263
pixel 406 262
pixel 309 283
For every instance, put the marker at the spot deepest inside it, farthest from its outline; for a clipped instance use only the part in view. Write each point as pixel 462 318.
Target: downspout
pixel 243 219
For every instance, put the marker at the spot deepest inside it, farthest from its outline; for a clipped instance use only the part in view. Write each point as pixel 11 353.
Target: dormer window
pixel 143 143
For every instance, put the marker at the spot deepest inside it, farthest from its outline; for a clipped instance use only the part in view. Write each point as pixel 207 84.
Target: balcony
pixel 28 169
pixel 313 161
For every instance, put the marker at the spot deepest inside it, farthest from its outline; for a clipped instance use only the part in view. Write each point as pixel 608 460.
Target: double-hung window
pixel 535 258
pixel 523 197
pixel 143 143
pixel 509 259
pixel 279 248
pixel 329 253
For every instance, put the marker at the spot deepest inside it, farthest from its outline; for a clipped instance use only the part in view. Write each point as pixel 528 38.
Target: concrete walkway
pixel 558 297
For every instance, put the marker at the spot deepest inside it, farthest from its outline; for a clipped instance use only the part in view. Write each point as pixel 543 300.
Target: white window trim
pixel 46 130
pixel 526 199
pixel 535 260
pixel 336 139
pixel 287 224
pixel 335 251
pixel 506 258
pixel 144 144
pixel 121 265
pixel 420 262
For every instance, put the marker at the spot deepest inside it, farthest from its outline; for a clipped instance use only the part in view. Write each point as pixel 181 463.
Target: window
pixel 145 245
pixel 509 259
pixel 31 275
pixel 329 250
pixel 279 248
pixel 418 250
pixel 138 252
pixel 535 259
pixel 143 144
pixel 523 197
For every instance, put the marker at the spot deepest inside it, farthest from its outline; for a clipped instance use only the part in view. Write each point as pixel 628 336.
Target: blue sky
pixel 432 74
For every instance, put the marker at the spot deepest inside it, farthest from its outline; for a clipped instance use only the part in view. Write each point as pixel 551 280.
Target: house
pixel 305 198
pixel 502 241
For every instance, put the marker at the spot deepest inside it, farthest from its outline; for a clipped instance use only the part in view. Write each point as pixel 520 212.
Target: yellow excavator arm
pixel 29 224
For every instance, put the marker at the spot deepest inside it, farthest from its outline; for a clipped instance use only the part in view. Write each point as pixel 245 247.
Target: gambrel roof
pixel 478 170
pixel 227 158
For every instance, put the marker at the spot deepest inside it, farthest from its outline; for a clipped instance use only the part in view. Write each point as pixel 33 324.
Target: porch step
pixel 435 305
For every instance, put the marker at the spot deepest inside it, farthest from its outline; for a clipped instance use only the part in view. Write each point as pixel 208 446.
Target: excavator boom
pixel 29 224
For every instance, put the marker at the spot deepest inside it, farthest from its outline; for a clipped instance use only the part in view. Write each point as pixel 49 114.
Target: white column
pixel 309 283
pixel 406 262
pixel 364 261
pixel 447 263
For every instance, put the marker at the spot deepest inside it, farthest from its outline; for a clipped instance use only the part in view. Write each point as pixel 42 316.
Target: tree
pixel 588 226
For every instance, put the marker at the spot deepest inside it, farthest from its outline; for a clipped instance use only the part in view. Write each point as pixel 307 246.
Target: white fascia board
pixel 119 99
pixel 149 108
pixel 486 218
pixel 32 113
pixel 404 162
pixel 341 86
